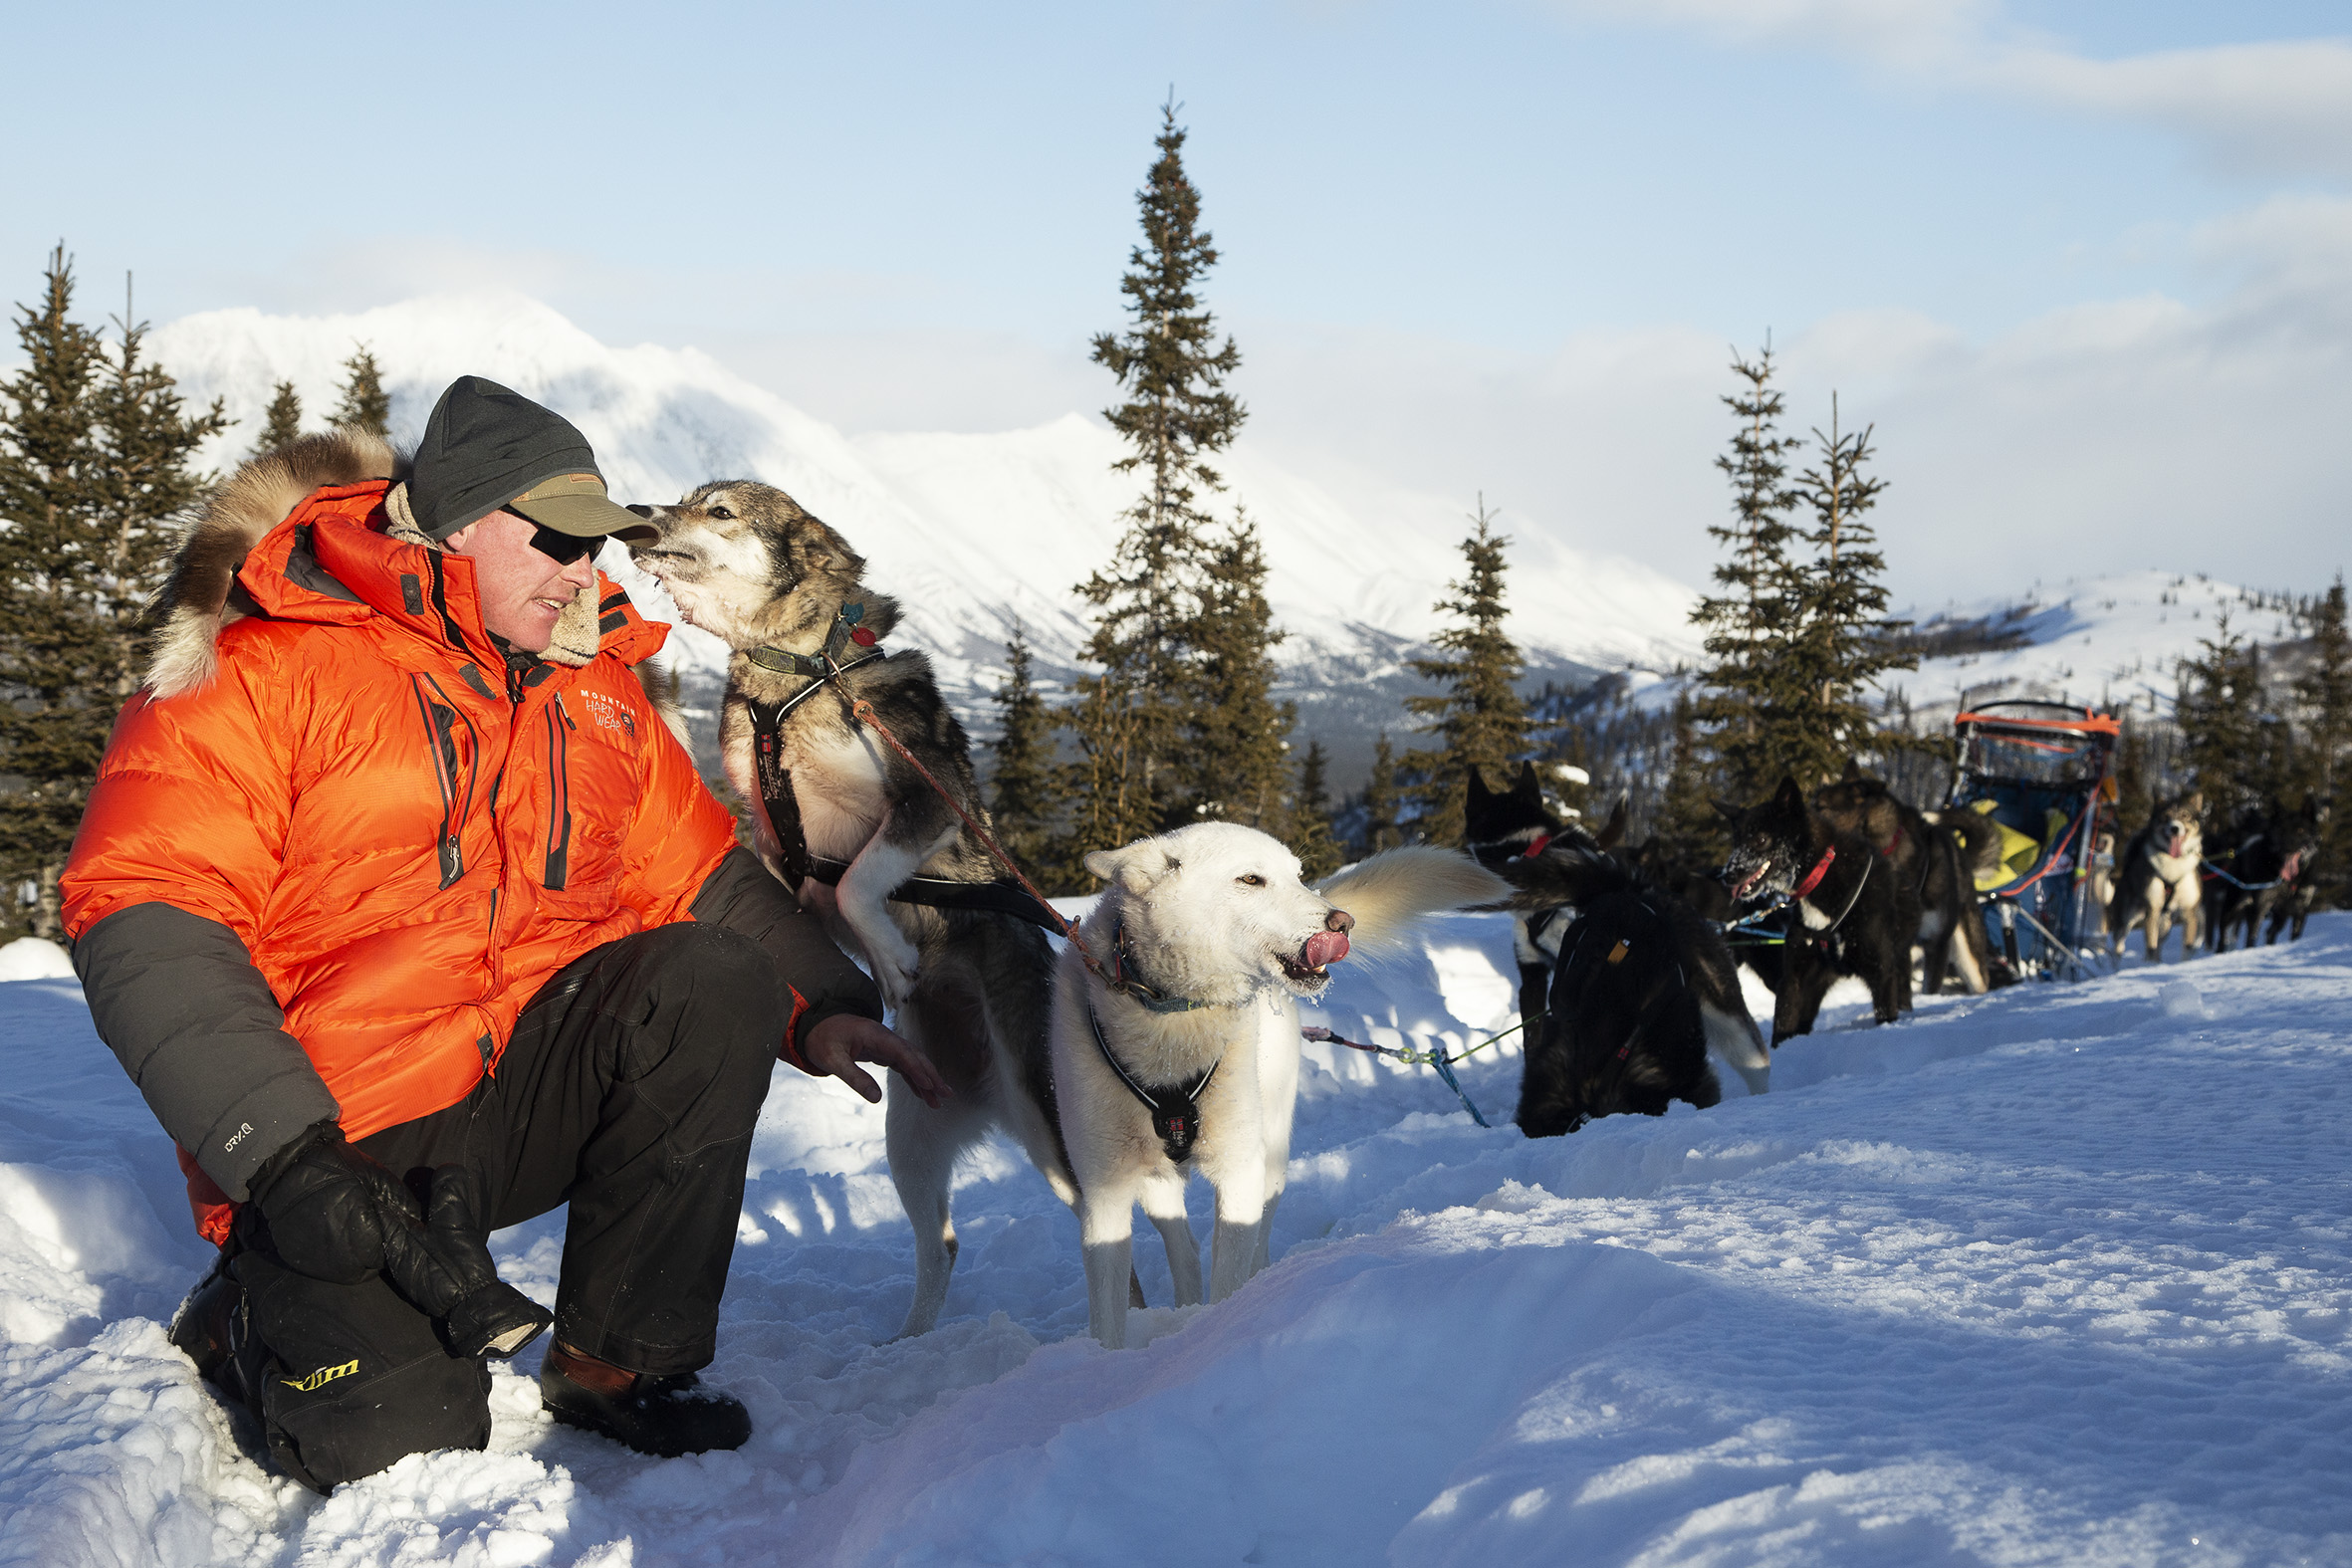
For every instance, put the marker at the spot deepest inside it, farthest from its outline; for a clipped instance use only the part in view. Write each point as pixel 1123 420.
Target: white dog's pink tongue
pixel 1326 947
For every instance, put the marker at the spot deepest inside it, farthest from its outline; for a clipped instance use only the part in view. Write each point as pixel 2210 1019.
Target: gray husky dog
pixel 2157 880
pixel 852 828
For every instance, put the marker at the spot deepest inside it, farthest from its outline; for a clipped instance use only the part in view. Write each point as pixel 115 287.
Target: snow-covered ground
pixel 2061 1275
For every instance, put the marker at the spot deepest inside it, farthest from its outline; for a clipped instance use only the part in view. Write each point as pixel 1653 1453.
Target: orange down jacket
pixel 406 835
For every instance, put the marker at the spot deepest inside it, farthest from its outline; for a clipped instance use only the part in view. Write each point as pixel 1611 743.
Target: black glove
pixel 445 1266
pixel 337 1214
pixel 332 1209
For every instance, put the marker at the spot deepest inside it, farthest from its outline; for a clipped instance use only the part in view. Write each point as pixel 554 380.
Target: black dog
pixel 1951 936
pixel 1643 991
pixel 1848 914
pixel 1502 826
pixel 2273 858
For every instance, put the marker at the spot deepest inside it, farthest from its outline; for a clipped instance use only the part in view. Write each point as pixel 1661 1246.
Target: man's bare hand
pixel 837 1045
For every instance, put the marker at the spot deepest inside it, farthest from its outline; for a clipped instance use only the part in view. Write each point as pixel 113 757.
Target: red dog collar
pixel 1813 877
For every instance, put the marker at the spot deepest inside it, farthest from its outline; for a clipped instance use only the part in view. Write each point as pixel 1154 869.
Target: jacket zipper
pixel 441 719
pixel 558 748
pixel 497 981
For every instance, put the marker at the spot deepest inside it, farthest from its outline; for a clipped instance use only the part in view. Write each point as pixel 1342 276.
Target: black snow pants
pixel 628 1090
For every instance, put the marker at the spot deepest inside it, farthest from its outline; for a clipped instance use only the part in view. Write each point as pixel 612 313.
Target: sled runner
pixel 2041 774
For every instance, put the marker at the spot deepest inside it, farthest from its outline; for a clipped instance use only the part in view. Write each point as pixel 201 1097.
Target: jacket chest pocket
pixel 454 748
pixel 589 791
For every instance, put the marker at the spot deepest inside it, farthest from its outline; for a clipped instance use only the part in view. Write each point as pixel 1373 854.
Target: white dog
pixel 1189 1063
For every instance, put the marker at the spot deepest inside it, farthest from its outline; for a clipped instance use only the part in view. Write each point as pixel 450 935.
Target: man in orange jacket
pixel 411 917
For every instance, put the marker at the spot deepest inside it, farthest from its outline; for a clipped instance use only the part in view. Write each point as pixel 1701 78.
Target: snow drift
pixel 2055 1275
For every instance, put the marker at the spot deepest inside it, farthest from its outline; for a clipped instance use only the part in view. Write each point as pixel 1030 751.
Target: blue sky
pixel 2072 258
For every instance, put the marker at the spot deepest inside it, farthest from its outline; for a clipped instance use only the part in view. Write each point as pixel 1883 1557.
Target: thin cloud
pixel 2282 105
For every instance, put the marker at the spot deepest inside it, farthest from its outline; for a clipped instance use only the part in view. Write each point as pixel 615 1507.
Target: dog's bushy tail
pixel 1568 874
pixel 1389 892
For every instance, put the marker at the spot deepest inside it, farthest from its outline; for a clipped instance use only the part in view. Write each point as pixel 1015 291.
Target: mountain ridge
pixel 975 532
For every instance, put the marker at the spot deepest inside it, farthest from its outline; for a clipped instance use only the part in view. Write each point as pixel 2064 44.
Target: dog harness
pixel 821 669
pixel 1175 1109
pixel 938 892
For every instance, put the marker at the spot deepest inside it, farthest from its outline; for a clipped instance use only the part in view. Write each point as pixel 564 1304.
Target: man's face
pixel 523 591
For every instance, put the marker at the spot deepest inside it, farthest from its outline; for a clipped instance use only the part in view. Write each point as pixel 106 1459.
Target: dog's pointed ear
pixel 1612 831
pixel 1725 809
pixel 1853 769
pixel 826 552
pixel 2194 804
pixel 1134 868
pixel 813 549
pixel 1526 786
pixel 1789 795
pixel 1475 782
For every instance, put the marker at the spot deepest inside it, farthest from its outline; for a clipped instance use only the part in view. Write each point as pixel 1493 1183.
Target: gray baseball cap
pixel 488 447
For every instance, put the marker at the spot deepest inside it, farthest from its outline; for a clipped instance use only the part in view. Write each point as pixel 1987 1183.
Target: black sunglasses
pixel 562 548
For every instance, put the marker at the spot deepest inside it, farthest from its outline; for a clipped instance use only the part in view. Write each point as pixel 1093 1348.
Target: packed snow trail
pixel 2063 1274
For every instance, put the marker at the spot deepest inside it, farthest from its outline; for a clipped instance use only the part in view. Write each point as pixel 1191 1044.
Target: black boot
pixel 661 1416
pixel 213 1329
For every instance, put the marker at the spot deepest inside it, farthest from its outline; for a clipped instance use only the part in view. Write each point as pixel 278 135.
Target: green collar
pixel 817 666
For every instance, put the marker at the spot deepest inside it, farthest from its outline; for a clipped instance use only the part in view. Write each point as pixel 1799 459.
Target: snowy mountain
pixel 2058 1274
pixel 968 530
pixel 2111 642
pixel 971 532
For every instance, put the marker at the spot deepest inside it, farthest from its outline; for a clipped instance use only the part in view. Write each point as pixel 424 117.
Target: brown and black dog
pixel 1951 937
pixel 1850 913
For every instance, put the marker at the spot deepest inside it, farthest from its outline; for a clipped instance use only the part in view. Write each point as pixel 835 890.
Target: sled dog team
pixel 2259 877
pixel 1178 1053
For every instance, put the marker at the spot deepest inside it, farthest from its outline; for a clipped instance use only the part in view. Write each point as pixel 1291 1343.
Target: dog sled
pixel 2043 774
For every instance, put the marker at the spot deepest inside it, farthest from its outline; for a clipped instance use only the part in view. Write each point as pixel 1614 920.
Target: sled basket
pixel 2043 771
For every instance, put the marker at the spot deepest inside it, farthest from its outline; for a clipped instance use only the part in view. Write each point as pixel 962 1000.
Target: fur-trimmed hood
pixel 203 597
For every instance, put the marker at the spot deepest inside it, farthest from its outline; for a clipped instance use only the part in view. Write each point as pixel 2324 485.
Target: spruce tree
pixel 1747 625
pixel 365 405
pixel 2325 694
pixel 93 473
pixel 1235 761
pixel 2219 713
pixel 50 493
pixel 1132 716
pixel 1109 793
pixel 1025 784
pixel 1479 717
pixel 2135 786
pixel 1689 831
pixel 1842 640
pixel 1311 837
pixel 1381 802
pixel 283 422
